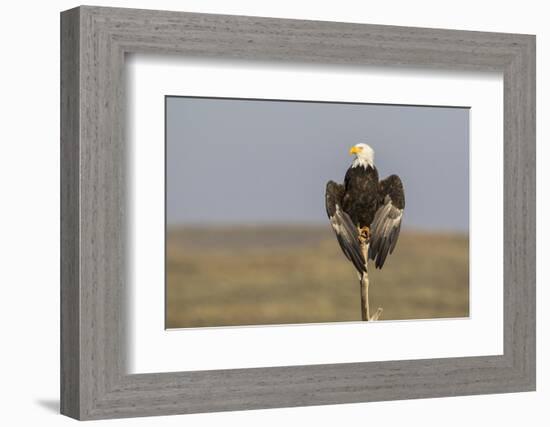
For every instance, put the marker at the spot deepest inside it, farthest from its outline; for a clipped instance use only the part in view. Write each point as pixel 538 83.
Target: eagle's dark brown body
pixel 361 195
pixel 364 201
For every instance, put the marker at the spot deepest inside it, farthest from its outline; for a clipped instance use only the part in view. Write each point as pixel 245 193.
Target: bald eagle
pixel 365 209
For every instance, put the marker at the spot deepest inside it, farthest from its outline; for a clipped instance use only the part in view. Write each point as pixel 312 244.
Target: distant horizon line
pixel 299 225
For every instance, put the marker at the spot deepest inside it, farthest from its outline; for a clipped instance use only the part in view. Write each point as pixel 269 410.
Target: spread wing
pixel 384 229
pixel 344 228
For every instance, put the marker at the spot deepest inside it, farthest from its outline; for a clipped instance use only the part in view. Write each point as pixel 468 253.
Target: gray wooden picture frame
pixel 94 382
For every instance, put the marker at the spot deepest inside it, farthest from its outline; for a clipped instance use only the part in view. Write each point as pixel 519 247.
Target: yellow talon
pixel 364 234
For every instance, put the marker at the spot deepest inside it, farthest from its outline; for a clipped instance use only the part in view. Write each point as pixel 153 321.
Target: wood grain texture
pixel 94 381
pixel 70 221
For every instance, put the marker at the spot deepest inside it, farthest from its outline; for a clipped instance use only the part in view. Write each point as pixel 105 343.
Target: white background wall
pixel 29 200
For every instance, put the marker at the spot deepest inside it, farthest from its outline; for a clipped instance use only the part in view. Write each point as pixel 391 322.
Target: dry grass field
pixel 278 274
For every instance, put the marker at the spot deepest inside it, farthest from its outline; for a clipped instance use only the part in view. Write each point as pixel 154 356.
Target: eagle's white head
pixel 364 155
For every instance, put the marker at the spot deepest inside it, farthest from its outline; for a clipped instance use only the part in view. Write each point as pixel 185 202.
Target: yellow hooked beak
pixel 355 150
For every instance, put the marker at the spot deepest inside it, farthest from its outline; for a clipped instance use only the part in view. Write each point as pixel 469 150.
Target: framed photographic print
pixel 258 213
pixel 262 213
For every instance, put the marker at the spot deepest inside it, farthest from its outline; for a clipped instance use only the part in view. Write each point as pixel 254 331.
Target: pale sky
pixel 267 162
